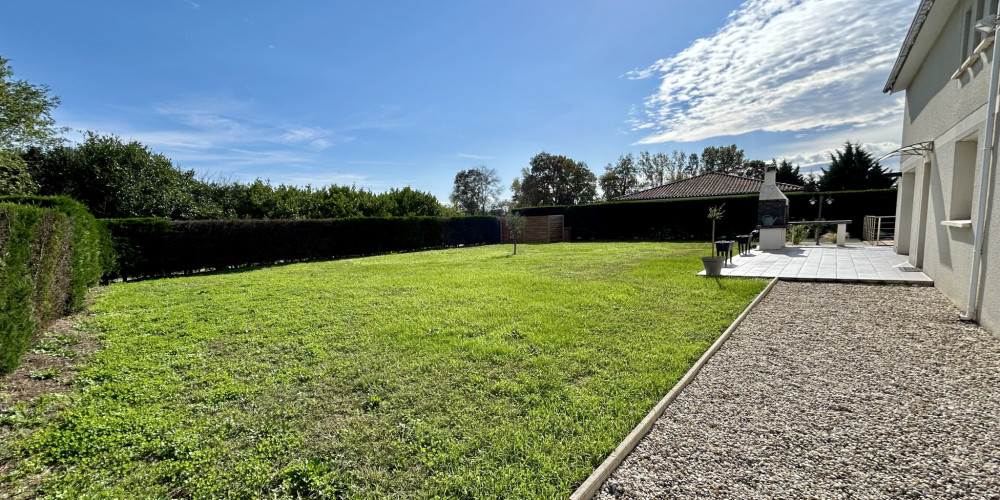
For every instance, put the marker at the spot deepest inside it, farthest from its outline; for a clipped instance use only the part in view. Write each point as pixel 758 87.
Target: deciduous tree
pixel 25 121
pixel 113 178
pixel 620 179
pixel 25 113
pixel 722 160
pixel 554 180
pixel 476 190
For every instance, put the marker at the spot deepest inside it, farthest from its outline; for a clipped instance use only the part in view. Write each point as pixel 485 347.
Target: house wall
pixel 952 113
pixel 989 291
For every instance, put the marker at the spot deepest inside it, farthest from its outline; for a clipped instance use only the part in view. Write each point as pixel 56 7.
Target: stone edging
pixel 589 487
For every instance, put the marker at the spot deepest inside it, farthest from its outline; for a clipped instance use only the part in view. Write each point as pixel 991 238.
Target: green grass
pixel 453 373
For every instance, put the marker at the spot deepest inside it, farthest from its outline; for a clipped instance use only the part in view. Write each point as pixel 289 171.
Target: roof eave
pixel 911 37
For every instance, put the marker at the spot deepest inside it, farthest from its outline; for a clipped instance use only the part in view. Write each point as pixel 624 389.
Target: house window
pixel 967 29
pixel 972 39
pixel 977 36
pixel 962 180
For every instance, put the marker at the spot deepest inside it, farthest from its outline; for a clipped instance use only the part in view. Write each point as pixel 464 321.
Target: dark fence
pixel 157 247
pixel 685 219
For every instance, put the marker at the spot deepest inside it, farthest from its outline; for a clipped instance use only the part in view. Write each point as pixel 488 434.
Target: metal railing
pixel 880 229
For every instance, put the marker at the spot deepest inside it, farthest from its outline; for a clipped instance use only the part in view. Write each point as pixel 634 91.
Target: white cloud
pixel 473 157
pixel 812 151
pixel 223 134
pixel 779 66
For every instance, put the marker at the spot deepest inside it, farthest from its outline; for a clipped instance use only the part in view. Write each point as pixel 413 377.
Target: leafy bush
pixel 680 219
pixel 50 253
pixel 797 233
pixel 158 247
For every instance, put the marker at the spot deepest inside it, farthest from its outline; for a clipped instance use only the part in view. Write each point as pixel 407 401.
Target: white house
pixel 946 209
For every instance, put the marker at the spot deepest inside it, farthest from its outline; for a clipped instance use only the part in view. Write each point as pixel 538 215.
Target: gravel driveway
pixel 832 391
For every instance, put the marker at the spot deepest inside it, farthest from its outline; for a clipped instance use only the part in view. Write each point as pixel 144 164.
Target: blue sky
pixel 390 94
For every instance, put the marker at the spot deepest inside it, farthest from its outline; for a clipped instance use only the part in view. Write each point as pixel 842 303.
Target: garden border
pixel 590 486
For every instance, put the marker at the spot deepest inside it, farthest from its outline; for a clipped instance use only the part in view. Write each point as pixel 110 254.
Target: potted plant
pixel 713 264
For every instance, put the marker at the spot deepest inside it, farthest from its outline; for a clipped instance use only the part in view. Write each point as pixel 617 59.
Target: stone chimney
pixel 772 212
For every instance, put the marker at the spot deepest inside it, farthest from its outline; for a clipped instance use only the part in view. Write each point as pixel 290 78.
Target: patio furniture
pixel 725 248
pixel 743 243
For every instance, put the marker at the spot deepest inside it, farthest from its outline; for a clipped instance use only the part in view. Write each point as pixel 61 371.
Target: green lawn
pixel 453 373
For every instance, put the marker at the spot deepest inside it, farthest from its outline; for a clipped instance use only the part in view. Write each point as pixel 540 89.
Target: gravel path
pixel 832 391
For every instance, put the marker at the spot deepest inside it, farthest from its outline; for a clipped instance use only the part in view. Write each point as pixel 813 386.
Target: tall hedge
pixel 90 252
pixel 157 247
pixel 34 275
pixel 685 219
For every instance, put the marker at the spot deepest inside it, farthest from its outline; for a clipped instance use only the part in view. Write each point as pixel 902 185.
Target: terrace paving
pixel 852 264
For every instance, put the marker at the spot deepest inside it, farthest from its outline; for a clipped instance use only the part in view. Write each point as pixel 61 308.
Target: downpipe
pixel 988 163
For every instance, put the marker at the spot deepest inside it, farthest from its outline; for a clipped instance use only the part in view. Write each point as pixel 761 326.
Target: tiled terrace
pixel 859 264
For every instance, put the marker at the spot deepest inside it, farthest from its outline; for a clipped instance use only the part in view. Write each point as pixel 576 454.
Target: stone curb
pixel 593 483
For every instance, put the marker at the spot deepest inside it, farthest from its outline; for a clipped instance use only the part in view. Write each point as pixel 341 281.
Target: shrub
pixel 797 233
pixel 157 247
pixel 90 249
pixel 50 253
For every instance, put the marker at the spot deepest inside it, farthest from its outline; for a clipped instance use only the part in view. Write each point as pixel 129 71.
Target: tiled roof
pixel 706 185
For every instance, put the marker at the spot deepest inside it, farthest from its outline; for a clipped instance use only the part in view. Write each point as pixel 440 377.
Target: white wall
pixel 952 114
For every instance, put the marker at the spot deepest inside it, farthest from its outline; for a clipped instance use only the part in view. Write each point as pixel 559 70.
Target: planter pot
pixel 713 265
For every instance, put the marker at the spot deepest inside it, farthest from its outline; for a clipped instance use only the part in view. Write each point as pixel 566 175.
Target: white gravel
pixel 832 391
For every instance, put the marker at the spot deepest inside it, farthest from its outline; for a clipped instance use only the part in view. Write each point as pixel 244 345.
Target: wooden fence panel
pixel 538 229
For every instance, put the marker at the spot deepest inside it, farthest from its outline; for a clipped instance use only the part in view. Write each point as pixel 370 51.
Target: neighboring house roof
pixel 706 185
pixel 913 50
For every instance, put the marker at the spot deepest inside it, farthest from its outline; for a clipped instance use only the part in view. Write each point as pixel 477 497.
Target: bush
pixel 30 241
pixel 157 247
pixel 683 219
pixel 797 233
pixel 90 249
pixel 50 254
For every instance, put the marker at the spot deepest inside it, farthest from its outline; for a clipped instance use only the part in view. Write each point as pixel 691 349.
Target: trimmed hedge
pixel 157 247
pixel 34 275
pixel 91 252
pixel 50 253
pixel 685 219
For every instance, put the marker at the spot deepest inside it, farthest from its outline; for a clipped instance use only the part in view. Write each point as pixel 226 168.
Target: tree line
pixel 119 179
pixel 558 180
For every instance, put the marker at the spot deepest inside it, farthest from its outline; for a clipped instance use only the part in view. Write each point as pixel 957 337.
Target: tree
pixel 554 180
pixel 14 176
pixel 785 171
pixel 515 224
pixel 25 113
pixel 789 173
pixel 476 191
pixel 113 178
pixel 677 166
pixel 25 121
pixel 722 160
pixel 715 213
pixel 693 166
pixel 620 179
pixel 753 169
pixel 853 168
pixel 408 202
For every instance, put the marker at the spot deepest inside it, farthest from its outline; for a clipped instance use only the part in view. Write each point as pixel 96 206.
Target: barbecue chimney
pixel 772 212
